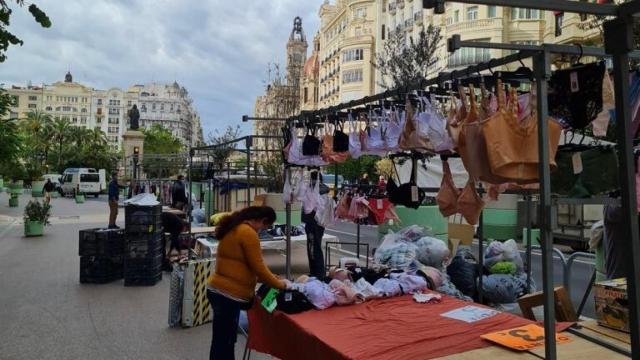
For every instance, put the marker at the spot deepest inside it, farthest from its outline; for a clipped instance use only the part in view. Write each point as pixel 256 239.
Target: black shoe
pixel 114 227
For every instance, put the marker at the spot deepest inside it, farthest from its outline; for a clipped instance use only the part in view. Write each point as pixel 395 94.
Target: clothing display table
pixel 391 328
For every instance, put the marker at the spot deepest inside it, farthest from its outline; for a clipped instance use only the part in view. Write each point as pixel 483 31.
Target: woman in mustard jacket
pixel 239 264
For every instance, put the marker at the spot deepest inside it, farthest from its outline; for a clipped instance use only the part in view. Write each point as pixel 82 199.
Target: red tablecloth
pixel 392 328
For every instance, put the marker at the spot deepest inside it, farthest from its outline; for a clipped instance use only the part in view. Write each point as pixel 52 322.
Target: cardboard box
pixel 612 304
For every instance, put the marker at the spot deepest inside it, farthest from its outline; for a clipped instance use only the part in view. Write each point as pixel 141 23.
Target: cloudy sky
pixel 219 50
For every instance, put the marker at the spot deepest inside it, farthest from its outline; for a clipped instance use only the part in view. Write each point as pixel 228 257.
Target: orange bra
pixel 327 152
pixel 410 139
pixel 512 145
pixel 451 201
pixel 456 117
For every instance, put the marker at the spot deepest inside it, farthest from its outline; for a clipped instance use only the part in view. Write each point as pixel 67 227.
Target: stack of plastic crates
pixel 144 245
pixel 101 255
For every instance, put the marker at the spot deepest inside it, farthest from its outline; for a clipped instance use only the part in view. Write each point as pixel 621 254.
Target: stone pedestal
pixel 130 140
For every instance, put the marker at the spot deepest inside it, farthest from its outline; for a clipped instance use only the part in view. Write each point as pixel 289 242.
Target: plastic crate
pixel 143 267
pixel 143 245
pixel 100 270
pixel 101 242
pixel 141 211
pixel 143 281
pixel 144 228
pixel 142 218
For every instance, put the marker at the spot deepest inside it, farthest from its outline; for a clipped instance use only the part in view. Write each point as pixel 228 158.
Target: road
pixel 580 274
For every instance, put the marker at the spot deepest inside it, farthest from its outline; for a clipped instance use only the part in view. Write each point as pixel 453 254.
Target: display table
pixel 277 243
pixel 392 328
pixel 203 230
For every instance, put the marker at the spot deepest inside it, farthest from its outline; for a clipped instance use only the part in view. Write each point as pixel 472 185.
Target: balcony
pixel 400 4
pixel 475 25
pixel 418 18
pixel 392 8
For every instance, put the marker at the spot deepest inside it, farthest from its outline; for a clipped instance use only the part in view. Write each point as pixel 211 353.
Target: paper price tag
pixel 414 194
pixel 575 85
pixel 379 204
pixel 576 160
pixel 523 338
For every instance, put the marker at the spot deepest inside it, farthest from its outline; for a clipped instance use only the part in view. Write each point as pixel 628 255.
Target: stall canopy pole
pixel 287 230
pixel 249 145
pixel 191 153
pixel 542 70
pixel 619 41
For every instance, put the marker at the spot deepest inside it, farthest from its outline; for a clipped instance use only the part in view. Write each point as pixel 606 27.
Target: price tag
pixel 523 338
pixel 576 160
pixel 379 204
pixel 414 194
pixel 575 85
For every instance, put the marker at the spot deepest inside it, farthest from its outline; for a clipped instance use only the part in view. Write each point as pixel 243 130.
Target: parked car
pixel 81 181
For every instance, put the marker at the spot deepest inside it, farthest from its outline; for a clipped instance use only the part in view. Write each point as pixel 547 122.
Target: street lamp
pixel 136 153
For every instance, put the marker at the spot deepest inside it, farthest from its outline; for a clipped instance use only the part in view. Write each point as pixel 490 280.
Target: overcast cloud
pixel 219 50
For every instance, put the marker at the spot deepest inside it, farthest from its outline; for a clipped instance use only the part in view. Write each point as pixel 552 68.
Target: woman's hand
pixel 287 284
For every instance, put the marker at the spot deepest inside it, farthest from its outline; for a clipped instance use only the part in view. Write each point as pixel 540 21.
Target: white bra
pixel 355 148
pixel 295 153
pixel 432 125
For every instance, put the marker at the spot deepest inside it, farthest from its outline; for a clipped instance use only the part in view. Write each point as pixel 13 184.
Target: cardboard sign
pixel 523 338
pixel 269 302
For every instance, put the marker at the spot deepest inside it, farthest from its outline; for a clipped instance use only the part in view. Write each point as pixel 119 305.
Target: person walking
pixel 179 194
pixel 114 197
pixel 239 263
pixel 49 187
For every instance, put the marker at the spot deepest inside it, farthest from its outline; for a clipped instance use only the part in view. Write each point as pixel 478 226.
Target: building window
pixel 360 13
pixel 99 119
pixel 352 55
pixel 99 101
pixel 129 103
pixel 526 14
pixel 456 16
pixel 33 106
pixel 469 56
pixel 306 94
pixel 383 31
pixel 472 13
pixel 491 12
pixel 352 76
pixel 33 98
pixel 449 20
pixel 49 108
pixel 161 107
pixel 83 110
pixel 143 108
pixel 66 108
pixel 74 119
pixel 83 119
pixel 153 107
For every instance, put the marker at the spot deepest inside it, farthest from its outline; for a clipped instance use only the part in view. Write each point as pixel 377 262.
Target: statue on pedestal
pixel 134 118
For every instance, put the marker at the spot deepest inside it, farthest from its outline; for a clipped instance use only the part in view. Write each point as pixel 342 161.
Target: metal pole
pixel 249 143
pixel 542 70
pixel 255 178
pixel 480 255
pixel 190 187
pixel 287 231
pixel 228 186
pixel 618 42
pixel 529 242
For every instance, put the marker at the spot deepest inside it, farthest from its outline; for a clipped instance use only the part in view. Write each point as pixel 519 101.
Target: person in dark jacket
pixel 179 194
pixel 114 197
pixel 49 187
pixel 173 225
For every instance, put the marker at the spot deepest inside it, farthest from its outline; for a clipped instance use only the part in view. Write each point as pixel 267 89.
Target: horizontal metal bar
pixel 442 77
pixel 552 48
pixel 600 342
pixel 553 5
pixel 588 201
pixel 246 118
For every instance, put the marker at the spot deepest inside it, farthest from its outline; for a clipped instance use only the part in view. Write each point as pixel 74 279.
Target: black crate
pixel 100 270
pixel 144 228
pixel 143 267
pixel 142 215
pixel 141 218
pixel 143 245
pixel 143 281
pixel 101 242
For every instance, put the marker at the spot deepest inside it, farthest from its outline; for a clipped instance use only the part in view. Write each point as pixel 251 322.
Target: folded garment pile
pixel 506 280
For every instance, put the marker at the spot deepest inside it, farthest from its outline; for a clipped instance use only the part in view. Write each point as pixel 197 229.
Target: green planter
pixel 79 199
pixel 37 188
pixel 13 201
pixel 15 187
pixel 33 228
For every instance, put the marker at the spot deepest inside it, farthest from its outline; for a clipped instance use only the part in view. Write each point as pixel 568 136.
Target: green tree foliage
pixel 6 37
pixel 353 169
pixel 35 130
pixel 223 150
pixel 159 141
pixel 11 143
pixel 403 61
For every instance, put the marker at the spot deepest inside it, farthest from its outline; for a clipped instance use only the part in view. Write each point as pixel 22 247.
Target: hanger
pixel 577 63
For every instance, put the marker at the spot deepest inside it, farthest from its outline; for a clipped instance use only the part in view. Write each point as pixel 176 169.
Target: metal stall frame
pixel 542 72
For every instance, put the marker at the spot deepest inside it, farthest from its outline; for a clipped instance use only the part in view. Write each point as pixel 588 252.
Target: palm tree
pixel 36 129
pixel 61 132
pixel 97 138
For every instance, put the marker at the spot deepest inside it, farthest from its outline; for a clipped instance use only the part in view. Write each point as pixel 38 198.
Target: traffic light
pixel 136 150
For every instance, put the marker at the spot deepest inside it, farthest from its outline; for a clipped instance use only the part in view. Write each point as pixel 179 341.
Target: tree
pixel 60 131
pixel 403 63
pixel 35 132
pixel 164 153
pixel 10 140
pixel 223 148
pixel 353 169
pixel 6 37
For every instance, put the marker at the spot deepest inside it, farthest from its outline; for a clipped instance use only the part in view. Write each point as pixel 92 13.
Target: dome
pixel 312 66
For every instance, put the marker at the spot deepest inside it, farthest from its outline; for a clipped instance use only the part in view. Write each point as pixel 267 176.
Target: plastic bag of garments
pixel 432 252
pixel 412 233
pixel 463 275
pixel 450 289
pixel 199 216
pixel 398 256
pixel 503 289
pixel 325 212
pixel 503 251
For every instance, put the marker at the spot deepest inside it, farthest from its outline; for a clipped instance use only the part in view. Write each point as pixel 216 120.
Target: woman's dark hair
pixel 264 213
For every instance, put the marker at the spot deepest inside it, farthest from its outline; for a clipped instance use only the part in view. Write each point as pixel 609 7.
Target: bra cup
pixel 470 204
pixel 447 197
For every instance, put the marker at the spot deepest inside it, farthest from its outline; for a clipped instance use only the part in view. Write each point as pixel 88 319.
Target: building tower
pixel 296 53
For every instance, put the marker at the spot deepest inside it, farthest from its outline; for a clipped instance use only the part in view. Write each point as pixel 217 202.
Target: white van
pixel 81 180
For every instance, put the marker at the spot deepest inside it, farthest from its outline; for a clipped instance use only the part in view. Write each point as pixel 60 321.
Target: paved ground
pixel 47 314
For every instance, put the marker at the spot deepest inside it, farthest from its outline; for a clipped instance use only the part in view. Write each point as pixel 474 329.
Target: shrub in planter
pixel 36 216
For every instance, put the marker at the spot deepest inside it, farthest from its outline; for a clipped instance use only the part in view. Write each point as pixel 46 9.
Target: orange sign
pixel 523 338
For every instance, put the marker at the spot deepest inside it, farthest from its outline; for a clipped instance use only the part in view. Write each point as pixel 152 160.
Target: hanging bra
pixel 451 200
pixel 310 144
pixel 355 148
pixel 472 145
pixel 601 123
pixel 376 136
pixel 575 94
pixel 410 139
pixel 456 117
pixel 327 152
pixel 394 129
pixel 296 157
pixel 512 145
pixel 431 125
pixel 340 139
